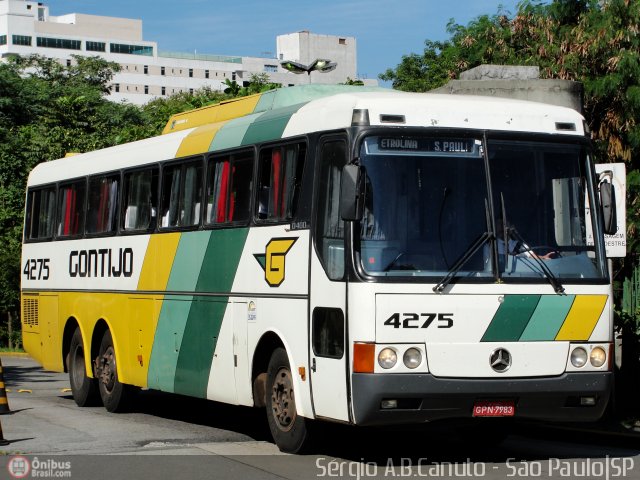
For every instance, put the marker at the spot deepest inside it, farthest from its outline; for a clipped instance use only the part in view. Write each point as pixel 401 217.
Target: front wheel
pixel 116 396
pixel 83 388
pixel 289 430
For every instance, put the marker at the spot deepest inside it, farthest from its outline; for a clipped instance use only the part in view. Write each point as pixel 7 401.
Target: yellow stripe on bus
pixel 158 261
pixel 582 318
pixel 220 112
pixel 199 140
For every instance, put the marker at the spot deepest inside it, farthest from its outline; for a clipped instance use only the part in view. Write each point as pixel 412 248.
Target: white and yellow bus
pixel 336 253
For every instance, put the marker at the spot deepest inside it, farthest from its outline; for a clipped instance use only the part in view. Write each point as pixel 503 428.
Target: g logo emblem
pixel 272 260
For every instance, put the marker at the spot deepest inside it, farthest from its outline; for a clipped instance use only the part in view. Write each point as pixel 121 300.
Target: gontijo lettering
pixel 105 262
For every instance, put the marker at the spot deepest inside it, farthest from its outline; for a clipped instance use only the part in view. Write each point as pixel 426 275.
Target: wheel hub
pixel 107 369
pixel 282 401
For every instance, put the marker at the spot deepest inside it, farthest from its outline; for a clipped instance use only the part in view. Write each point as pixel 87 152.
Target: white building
pixel 27 28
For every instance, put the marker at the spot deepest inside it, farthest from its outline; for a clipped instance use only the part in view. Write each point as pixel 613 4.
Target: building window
pixel 271 68
pixel 3 41
pixel 131 49
pixel 68 63
pixel 206 74
pixel 342 41
pixel 191 91
pixel 146 69
pixel 146 89
pixel 58 43
pixel 41 15
pixel 21 40
pixel 116 88
pixel 95 46
pixel 191 72
pixel 164 91
pixel 162 71
pixel 233 76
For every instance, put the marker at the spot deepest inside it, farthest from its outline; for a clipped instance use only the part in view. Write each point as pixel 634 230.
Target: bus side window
pixel 71 200
pixel 280 179
pixel 141 200
pixel 329 230
pixel 181 195
pixel 103 200
pixel 229 188
pixel 41 205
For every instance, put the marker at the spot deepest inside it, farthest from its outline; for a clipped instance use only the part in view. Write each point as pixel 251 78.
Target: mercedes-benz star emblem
pixel 500 360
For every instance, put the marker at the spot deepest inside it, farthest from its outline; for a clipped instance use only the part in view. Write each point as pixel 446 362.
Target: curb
pixel 14 354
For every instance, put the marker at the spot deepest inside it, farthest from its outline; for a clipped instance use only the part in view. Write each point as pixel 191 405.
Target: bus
pixel 349 254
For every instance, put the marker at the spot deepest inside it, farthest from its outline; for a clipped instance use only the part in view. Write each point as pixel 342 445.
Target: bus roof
pixel 296 111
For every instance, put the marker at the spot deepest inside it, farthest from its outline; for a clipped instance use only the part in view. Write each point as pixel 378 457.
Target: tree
pixel 47 110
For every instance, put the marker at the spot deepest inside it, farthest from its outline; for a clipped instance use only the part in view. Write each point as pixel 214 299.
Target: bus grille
pixel 30 311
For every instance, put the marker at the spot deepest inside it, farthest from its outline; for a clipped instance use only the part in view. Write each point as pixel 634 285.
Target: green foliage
pixel 47 110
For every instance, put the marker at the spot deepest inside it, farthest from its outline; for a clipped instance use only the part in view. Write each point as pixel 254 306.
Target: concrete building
pixel 26 27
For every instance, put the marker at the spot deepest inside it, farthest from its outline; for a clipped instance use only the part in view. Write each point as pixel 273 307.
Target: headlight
pixel 579 357
pixel 412 358
pixel 387 358
pixel 597 357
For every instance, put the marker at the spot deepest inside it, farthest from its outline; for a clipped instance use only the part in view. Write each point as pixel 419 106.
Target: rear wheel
pixel 116 396
pixel 289 430
pixel 83 388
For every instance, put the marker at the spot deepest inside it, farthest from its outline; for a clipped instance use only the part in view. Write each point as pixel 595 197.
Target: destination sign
pixel 431 145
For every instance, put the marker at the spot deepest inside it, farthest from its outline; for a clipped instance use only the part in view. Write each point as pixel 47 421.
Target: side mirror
pixel 608 204
pixel 351 193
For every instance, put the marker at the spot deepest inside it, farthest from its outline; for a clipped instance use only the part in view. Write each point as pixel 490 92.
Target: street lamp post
pixel 321 65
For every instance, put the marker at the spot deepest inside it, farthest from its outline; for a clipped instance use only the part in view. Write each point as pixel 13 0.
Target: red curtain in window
pixel 221 212
pixel 276 166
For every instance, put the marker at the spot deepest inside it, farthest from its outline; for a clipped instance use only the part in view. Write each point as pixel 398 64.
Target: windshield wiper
pixel 546 271
pixel 464 258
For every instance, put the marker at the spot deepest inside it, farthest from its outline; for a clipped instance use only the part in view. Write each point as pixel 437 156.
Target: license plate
pixel 494 409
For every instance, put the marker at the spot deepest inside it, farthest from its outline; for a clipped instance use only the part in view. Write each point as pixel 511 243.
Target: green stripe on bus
pixel 548 318
pixel 188 261
pixel 511 318
pixel 219 268
pixel 198 345
pixel 232 133
pixel 270 125
pixel 166 342
pixel 220 262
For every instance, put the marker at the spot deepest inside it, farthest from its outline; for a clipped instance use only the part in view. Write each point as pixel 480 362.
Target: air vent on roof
pixel 566 126
pixel 384 118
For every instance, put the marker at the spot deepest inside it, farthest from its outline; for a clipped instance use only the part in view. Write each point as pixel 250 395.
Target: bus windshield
pixel 427 205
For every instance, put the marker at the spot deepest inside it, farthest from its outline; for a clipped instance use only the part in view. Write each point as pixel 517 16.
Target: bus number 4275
pixel 36 269
pixel 420 320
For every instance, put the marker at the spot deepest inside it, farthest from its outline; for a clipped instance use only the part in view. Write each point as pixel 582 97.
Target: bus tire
pixel 83 388
pixel 116 396
pixel 290 431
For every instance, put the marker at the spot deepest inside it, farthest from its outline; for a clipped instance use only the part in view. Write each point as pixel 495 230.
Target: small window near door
pixel 328 332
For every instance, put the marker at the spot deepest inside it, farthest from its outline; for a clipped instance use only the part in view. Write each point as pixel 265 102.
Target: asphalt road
pixel 170 436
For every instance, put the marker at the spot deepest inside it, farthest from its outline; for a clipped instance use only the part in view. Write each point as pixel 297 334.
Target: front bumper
pixel 424 398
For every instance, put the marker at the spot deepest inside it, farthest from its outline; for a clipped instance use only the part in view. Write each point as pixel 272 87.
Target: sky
pixel 385 30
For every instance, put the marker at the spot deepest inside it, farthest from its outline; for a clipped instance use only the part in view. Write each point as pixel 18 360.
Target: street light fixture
pixel 321 65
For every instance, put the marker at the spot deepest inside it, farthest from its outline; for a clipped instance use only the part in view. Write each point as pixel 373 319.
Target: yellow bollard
pixel 4 401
